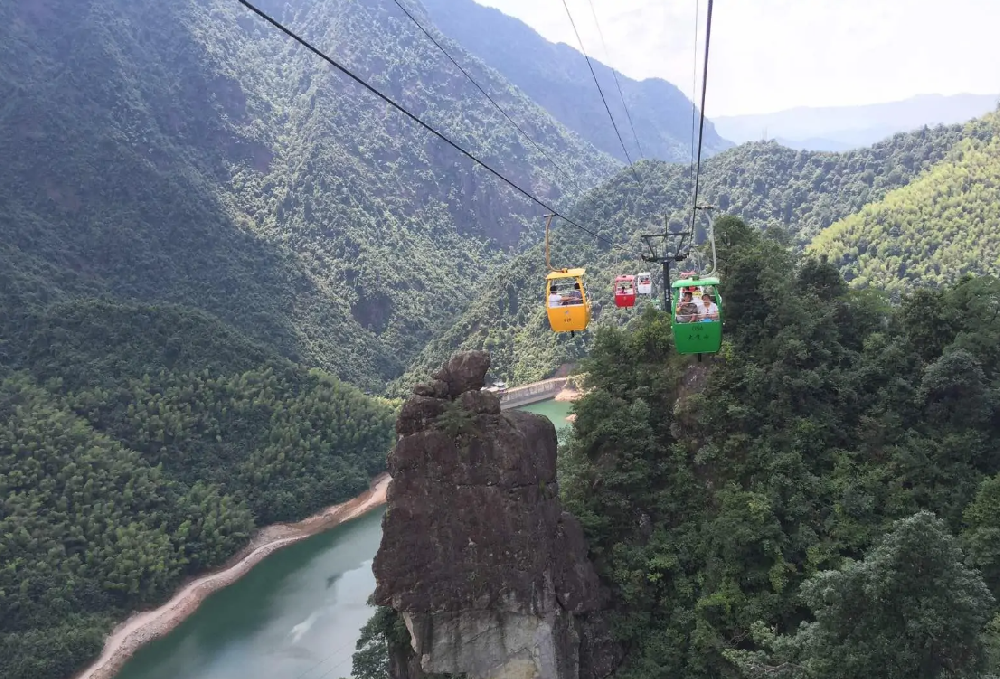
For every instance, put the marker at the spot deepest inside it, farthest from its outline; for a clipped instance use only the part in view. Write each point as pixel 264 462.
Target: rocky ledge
pixel 488 572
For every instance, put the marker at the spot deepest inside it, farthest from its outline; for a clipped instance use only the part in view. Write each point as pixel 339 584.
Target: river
pixel 296 615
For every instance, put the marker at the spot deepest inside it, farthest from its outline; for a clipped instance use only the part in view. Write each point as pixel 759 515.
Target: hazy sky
pixel 769 55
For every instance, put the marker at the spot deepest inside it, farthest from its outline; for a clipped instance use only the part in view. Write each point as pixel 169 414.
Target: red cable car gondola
pixel 625 291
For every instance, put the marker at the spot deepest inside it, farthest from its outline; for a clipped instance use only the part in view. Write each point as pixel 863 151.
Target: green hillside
pixel 142 445
pixel 783 482
pixel 932 231
pixel 189 153
pixel 767 185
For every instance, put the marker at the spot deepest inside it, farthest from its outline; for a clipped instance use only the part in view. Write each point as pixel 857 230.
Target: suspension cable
pixel 614 73
pixel 600 91
pixel 701 126
pixel 563 172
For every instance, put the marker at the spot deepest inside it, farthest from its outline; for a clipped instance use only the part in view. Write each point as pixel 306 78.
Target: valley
pixel 224 266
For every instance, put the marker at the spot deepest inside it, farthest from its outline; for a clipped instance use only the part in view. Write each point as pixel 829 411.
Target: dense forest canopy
pixel 789 487
pixel 142 445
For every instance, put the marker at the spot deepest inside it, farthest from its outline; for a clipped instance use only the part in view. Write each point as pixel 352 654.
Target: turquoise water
pixel 296 615
pixel 556 411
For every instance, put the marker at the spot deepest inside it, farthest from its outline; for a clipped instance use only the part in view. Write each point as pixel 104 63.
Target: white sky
pixel 770 55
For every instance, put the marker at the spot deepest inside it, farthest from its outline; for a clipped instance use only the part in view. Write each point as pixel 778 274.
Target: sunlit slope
pixel 944 224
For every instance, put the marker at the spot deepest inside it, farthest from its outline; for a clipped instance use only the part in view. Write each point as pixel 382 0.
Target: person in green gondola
pixel 687 309
pixel 709 310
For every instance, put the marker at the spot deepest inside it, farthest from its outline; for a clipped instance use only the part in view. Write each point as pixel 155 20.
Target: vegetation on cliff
pixel 777 507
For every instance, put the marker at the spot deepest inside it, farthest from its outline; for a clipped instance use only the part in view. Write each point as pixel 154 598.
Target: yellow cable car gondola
pixel 566 301
pixel 565 296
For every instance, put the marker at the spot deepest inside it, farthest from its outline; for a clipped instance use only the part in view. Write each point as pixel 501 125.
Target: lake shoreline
pixel 142 627
pixel 567 394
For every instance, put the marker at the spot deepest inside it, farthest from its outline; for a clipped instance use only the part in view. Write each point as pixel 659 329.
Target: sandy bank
pixel 143 627
pixel 568 394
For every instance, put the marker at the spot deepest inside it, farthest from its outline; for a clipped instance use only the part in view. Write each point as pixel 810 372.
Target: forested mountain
pixel 932 231
pixel 188 152
pixel 840 128
pixel 556 76
pixel 768 185
pixel 205 228
pixel 818 501
pixel 142 445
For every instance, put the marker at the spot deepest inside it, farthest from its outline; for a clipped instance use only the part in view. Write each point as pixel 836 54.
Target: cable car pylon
pixel 665 254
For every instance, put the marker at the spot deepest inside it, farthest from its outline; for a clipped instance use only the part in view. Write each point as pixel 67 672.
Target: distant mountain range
pixel 841 128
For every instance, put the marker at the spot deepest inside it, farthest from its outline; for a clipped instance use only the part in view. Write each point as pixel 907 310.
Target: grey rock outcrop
pixel 489 574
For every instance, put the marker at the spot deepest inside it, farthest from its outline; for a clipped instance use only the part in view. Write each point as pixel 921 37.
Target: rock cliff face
pixel 489 574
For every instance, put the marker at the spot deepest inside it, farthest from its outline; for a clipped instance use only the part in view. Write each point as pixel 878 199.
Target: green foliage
pixel 909 610
pixel 711 492
pixel 457 422
pixel 932 231
pixel 982 533
pixel 385 636
pixel 371 660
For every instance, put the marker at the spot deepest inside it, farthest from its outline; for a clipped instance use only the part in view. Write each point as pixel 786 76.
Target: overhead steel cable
pixel 566 174
pixel 596 82
pixel 694 87
pixel 614 73
pixel 302 41
pixel 701 126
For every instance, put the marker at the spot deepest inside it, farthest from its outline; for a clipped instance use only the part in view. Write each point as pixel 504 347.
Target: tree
pixel 910 610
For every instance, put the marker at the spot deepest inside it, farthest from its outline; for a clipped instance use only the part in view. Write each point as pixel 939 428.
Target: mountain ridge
pixel 556 76
pixel 279 198
pixel 824 128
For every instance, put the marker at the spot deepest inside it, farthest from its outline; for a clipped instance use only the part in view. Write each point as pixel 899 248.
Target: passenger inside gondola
pixel 687 309
pixel 709 310
pixel 555 299
pixel 574 297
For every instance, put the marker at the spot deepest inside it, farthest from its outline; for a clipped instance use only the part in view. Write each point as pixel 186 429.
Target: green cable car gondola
pixel 697 321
